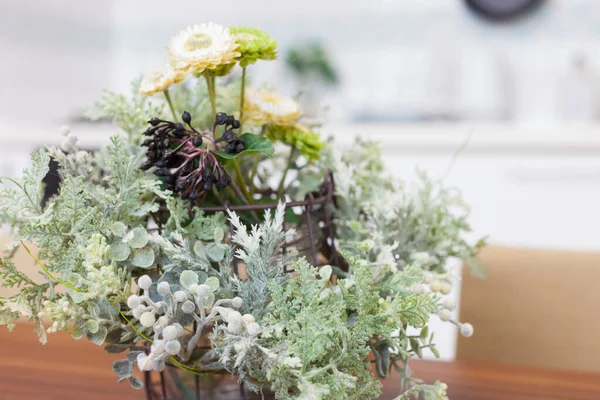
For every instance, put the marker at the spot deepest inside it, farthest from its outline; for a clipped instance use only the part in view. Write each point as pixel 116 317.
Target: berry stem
pixel 168 97
pixel 240 176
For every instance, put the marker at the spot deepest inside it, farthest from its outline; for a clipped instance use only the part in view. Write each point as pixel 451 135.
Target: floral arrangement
pixel 134 259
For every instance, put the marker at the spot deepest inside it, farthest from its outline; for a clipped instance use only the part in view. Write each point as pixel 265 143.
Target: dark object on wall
pixel 503 10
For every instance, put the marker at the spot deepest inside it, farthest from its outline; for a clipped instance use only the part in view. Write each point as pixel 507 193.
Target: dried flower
pixel 160 80
pixel 201 47
pixel 263 107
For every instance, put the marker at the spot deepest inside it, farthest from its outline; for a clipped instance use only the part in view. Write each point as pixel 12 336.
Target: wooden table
pixel 66 369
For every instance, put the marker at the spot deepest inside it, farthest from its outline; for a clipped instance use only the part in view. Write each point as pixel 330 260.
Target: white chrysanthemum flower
pixel 266 107
pixel 160 80
pixel 201 47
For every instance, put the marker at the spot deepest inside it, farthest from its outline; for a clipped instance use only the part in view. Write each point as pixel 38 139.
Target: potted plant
pixel 218 233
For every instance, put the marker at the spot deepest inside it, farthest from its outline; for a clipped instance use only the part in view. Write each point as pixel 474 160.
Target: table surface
pixel 68 369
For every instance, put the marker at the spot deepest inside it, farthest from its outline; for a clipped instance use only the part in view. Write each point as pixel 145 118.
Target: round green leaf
pixel 118 229
pixel 99 336
pixel 219 234
pixel 137 238
pixel 119 251
pixel 199 248
pixel 188 278
pixel 143 258
pixel 325 272
pixel 215 251
pixel 213 283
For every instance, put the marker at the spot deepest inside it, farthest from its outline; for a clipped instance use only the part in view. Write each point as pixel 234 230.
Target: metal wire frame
pixel 316 236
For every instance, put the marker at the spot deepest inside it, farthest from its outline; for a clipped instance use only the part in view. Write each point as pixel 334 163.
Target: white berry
pixel 170 333
pixel 144 282
pixel 253 329
pixel 445 287
pixel 172 347
pixel 449 304
pixel 147 319
pixel 435 286
pixel 237 302
pixel 180 296
pixel 466 330
pixel 163 288
pixel 133 301
pixel 445 315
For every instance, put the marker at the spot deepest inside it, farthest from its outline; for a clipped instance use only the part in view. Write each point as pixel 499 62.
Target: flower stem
pixel 242 97
pixel 291 159
pixel 211 92
pixel 168 97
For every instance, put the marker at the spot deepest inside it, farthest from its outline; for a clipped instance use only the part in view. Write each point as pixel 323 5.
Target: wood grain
pixel 67 369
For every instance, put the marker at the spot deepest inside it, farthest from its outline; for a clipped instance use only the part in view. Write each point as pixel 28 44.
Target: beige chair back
pixel 536 307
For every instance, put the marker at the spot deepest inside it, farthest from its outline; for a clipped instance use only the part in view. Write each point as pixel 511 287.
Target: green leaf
pixel 213 283
pixel 123 367
pixel 137 238
pixel 119 251
pixel 116 348
pixel 91 326
pixel 118 229
pixel 188 278
pixel 435 351
pixel 424 332
pixel 143 258
pixel 254 144
pixel 99 336
pixel 215 252
pixel 135 382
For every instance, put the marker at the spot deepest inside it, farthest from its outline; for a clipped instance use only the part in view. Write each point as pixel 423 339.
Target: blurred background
pixel 515 83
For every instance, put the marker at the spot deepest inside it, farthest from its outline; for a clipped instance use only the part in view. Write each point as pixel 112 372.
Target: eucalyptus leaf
pixel 188 278
pixel 135 382
pixel 143 258
pixel 253 143
pixel 219 234
pixel 123 367
pixel 99 336
pixel 199 248
pixel 118 228
pixel 120 251
pixel 90 326
pixel 213 283
pixel 215 251
pixel 137 238
pixel 116 348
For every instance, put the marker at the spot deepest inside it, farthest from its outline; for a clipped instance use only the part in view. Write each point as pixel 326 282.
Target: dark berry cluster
pixel 183 158
pixel 233 143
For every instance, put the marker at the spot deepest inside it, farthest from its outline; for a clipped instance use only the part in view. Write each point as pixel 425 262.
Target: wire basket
pixel 315 239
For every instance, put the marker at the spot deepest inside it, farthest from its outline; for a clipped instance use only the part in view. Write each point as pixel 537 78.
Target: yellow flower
pixel 160 80
pixel 265 107
pixel 309 143
pixel 201 47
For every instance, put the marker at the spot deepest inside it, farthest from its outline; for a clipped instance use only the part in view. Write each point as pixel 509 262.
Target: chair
pixel 535 307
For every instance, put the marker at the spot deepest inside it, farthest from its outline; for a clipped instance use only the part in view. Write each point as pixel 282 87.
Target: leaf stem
pixel 170 103
pixel 47 272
